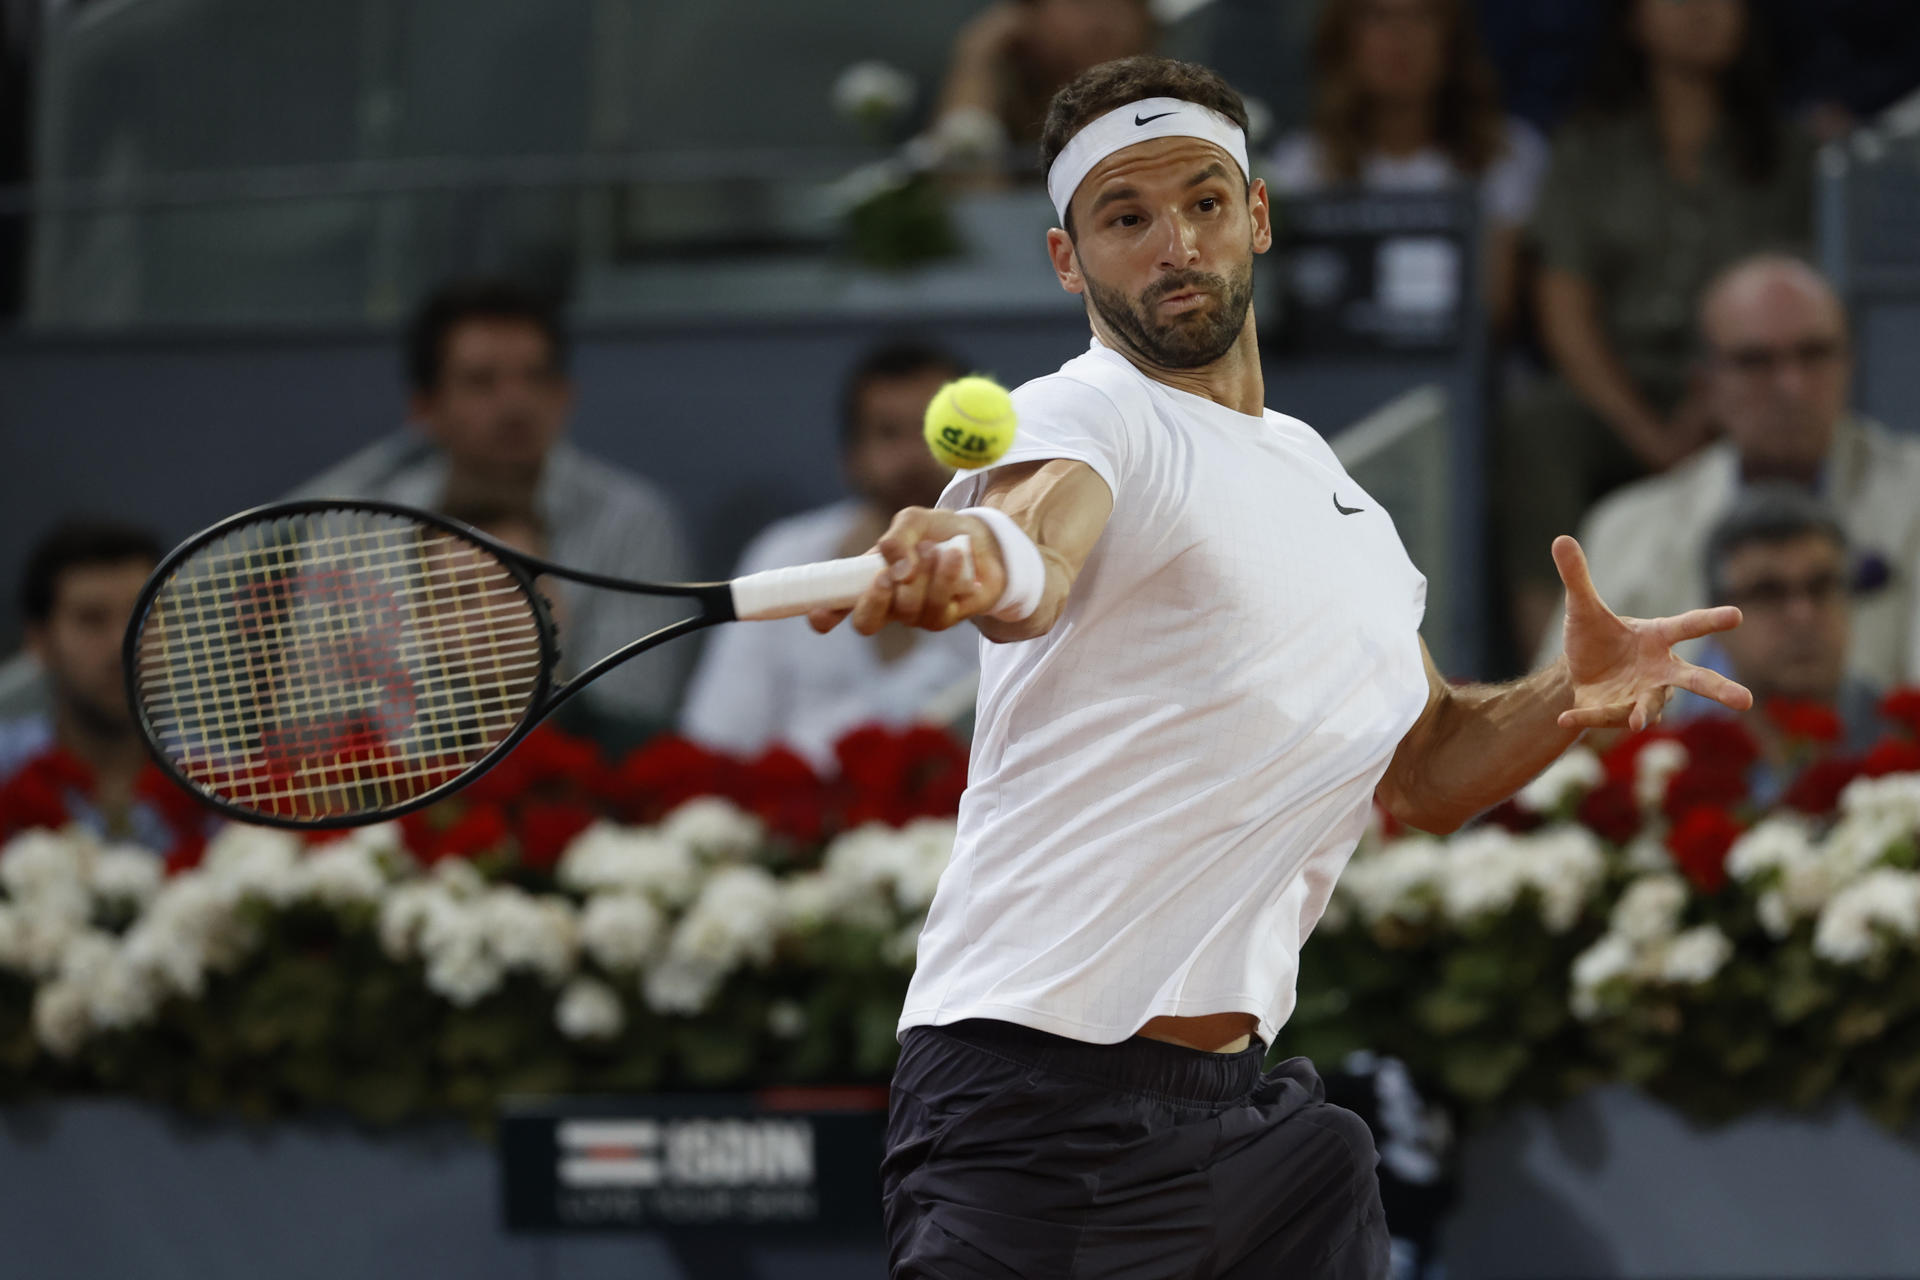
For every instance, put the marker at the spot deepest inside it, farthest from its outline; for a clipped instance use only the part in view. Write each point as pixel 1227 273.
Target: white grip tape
pixel 830 584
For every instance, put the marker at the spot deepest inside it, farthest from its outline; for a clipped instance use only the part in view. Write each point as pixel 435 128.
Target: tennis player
pixel 1204 668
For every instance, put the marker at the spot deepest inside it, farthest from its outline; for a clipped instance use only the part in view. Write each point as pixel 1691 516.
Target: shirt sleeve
pixel 1059 417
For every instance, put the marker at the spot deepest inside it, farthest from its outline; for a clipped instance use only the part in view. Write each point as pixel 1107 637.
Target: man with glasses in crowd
pixel 1778 373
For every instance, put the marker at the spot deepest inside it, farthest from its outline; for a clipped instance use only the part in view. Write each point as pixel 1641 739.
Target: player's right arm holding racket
pixel 1060 504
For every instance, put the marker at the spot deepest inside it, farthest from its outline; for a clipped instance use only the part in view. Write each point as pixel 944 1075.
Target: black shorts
pixel 1012 1153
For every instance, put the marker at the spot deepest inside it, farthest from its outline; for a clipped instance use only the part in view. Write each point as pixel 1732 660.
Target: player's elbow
pixel 1412 807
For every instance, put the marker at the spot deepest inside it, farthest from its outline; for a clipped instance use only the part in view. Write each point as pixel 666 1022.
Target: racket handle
pixel 830 584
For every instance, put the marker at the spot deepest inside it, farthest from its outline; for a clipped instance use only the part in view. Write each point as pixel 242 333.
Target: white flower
pixel 1775 844
pixel 453 942
pixel 811 899
pixel 403 911
pixel 715 829
pixel 123 994
pixel 254 862
pixel 127 873
pixel 630 859
pixel 1696 955
pixel 589 1009
pixel 1653 768
pixel 786 1020
pixel 1650 909
pixel 1647 852
pixel 60 1018
pixel 85 956
pixel 1861 840
pixel 344 874
pixel 1402 880
pixel 1485 870
pixel 1563 865
pixel 45 924
pixel 735 919
pixel 621 931
pixel 1575 773
pixel 964 137
pixel 929 842
pixel 872 90
pixel 1894 798
pixel 1859 919
pixel 459 878
pixel 41 864
pixel 681 987
pixel 1610 958
pixel 528 933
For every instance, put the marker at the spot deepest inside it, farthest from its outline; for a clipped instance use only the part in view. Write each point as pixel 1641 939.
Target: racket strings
pixel 335 663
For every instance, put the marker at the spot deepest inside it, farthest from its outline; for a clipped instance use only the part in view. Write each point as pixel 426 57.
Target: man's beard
pixel 1189 340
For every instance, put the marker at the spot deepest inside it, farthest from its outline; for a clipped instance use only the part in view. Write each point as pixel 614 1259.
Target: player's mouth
pixel 1185 300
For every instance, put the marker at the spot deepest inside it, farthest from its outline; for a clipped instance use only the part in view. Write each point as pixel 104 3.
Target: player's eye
pixel 1127 220
pixel 1209 203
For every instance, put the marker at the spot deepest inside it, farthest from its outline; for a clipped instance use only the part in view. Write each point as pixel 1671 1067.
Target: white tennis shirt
pixel 1165 786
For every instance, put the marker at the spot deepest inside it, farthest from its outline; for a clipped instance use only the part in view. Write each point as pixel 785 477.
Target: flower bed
pixel 679 919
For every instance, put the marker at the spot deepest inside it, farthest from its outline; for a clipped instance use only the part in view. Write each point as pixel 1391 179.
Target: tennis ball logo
pixel 970 423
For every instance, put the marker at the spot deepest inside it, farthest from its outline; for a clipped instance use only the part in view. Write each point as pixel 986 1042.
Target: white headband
pixel 1140 121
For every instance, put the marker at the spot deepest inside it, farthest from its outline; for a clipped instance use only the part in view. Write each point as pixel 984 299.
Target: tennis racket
pixel 330 664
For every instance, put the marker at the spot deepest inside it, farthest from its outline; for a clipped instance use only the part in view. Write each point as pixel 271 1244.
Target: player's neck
pixel 1234 381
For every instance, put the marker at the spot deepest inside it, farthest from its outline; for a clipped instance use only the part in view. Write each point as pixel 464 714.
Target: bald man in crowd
pixel 1778 368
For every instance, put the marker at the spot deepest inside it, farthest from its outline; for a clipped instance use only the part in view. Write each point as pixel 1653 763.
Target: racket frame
pixel 714 598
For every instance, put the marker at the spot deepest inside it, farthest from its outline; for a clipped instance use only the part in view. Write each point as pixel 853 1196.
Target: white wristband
pixel 1026 571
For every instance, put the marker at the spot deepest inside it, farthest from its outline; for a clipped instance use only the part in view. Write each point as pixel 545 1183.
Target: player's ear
pixel 1260 209
pixel 1066 263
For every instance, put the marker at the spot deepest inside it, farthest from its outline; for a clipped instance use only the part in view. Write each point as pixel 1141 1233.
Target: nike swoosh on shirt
pixel 1150 119
pixel 1345 511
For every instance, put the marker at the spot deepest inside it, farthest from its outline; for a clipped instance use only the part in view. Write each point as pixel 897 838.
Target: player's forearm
pixel 1063 507
pixel 1479 745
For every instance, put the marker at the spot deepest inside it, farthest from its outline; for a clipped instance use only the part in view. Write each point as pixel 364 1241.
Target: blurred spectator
pixel 778 682
pixel 1542 53
pixel 486 361
pixel 1680 165
pixel 1777 379
pixel 1845 60
pixel 1781 556
pixel 1008 61
pixel 1405 100
pixel 81 583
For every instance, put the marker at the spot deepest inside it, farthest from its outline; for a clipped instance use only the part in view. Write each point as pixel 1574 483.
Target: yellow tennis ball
pixel 970 423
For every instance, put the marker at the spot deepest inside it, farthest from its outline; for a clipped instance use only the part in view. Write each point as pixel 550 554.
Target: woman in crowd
pixel 1680 164
pixel 1405 100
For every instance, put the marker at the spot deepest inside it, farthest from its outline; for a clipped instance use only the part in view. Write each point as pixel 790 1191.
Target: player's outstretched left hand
pixel 1624 669
pixel 924 585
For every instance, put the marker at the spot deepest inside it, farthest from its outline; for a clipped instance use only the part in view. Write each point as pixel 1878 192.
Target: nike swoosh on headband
pixel 1149 119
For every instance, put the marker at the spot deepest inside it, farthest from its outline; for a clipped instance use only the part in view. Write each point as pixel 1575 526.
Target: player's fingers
pixel 1711 684
pixel 871 610
pixel 1646 708
pixel 901 542
pixel 825 620
pixel 1571 561
pixel 1696 623
pixel 1596 717
pixel 910 593
pixel 947 590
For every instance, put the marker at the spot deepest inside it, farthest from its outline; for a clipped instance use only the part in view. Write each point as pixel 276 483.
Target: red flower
pixel 1611 811
pixel 186 853
pixel 1621 761
pixel 1699 843
pixel 668 771
pixel 1712 784
pixel 871 760
pixel 1805 719
pixel 1721 741
pixel 29 800
pixel 1512 817
pixel 482 829
pixel 1891 755
pixel 547 829
pixel 1902 707
pixel 1817 790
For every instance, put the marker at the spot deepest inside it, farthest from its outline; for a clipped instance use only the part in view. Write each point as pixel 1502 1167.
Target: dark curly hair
pixel 1098 90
